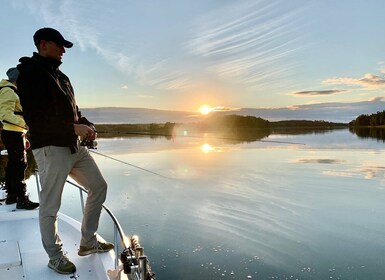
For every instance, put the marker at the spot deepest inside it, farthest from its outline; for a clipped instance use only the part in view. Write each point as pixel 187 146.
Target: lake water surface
pixel 311 208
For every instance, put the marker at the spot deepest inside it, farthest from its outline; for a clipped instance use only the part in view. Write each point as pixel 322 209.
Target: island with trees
pixel 369 126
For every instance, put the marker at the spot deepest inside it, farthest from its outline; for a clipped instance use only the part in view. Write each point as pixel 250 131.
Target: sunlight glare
pixel 206 148
pixel 205 109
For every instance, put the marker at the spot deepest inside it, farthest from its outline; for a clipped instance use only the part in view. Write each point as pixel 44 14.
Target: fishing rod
pixel 132 165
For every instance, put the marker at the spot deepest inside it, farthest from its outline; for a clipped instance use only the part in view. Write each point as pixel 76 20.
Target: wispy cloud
pixel 83 23
pixel 317 92
pixel 159 75
pixel 145 96
pixel 368 170
pixel 369 81
pixel 251 42
pixel 376 99
pixel 319 160
pixel 329 111
pixel 224 109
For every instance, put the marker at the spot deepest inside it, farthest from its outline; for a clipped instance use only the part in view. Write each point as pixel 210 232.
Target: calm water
pixel 259 210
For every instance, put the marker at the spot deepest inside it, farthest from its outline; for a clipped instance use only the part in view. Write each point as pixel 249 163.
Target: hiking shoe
pixel 25 203
pixel 3 194
pixel 11 199
pixel 62 265
pixel 100 247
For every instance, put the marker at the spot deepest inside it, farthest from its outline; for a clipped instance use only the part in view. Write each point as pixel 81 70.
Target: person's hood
pixel 6 83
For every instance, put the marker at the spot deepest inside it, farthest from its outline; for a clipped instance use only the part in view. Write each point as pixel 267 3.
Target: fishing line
pixel 132 165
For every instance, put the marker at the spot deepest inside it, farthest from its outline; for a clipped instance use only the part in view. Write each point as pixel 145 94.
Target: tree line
pixel 376 119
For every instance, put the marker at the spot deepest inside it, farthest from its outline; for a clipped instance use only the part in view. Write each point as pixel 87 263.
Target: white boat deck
pixel 22 256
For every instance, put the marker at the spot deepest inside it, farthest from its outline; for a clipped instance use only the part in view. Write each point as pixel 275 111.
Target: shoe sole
pixel 86 253
pixel 9 203
pixel 24 208
pixel 59 271
pixel 89 252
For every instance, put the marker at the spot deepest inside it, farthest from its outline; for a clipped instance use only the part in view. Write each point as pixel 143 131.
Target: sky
pixel 228 54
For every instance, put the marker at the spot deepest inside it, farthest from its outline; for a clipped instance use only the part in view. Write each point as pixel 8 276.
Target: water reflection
pixel 206 148
pixel 369 132
pixel 266 210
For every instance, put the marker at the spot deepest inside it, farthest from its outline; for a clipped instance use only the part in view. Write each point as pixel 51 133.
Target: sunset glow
pixel 205 109
pixel 206 148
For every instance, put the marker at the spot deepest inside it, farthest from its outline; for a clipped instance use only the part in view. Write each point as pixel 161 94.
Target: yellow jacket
pixel 9 105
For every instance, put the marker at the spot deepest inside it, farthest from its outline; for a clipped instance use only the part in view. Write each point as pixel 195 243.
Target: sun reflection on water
pixel 206 148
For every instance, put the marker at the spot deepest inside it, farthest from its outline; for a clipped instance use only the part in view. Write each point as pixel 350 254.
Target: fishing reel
pixel 90 144
pixel 135 263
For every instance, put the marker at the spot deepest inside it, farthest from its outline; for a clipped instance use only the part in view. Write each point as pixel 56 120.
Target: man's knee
pixel 99 190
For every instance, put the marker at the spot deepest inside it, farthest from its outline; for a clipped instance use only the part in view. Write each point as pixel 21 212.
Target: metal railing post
pixel 81 200
pixel 37 183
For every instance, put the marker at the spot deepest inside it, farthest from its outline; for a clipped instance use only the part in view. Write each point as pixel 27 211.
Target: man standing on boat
pixel 55 124
pixel 13 137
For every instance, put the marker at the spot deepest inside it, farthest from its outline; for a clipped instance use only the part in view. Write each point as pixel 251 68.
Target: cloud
pixel 330 111
pixel 145 96
pixel 88 28
pixel 249 42
pixel 223 109
pixel 369 81
pixel 367 170
pixel 376 99
pixel 319 92
pixel 160 76
pixel 125 87
pixel 319 160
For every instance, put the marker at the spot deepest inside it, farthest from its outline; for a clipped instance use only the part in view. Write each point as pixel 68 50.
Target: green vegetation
pixel 376 119
pixel 112 130
pixel 234 121
pixel 306 124
pixel 369 126
pixel 236 127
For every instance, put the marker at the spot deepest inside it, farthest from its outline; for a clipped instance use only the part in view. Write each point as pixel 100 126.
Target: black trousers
pixel 17 162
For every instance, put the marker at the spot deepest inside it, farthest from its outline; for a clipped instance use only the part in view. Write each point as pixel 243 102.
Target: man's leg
pixel 54 164
pixel 87 174
pixel 17 163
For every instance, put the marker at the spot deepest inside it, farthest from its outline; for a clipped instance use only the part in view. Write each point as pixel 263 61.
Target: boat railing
pixel 134 263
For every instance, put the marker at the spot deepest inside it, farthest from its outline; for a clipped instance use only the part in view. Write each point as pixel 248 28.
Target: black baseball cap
pixel 50 34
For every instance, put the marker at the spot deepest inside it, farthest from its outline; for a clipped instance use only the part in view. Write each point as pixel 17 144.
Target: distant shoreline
pixel 106 130
pixel 172 129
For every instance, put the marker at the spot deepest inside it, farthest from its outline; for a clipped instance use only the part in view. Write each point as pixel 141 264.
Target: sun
pixel 205 109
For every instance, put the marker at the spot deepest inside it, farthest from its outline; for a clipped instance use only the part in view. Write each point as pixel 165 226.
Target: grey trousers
pixel 55 164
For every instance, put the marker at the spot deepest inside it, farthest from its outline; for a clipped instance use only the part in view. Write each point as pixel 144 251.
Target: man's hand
pixel 85 132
